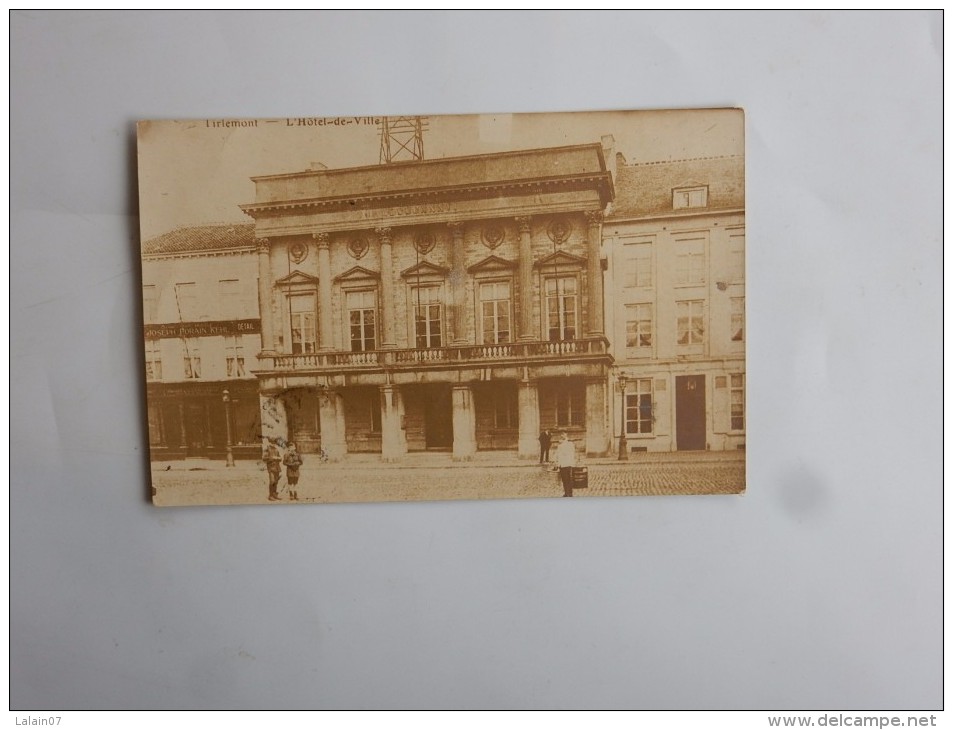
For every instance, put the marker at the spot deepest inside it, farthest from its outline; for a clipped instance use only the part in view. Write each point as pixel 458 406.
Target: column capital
pixel 323 239
pixel 594 217
pixel 383 233
pixel 456 227
pixel 524 223
pixel 263 245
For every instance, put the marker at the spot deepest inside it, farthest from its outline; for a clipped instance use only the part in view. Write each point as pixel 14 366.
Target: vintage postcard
pixel 356 309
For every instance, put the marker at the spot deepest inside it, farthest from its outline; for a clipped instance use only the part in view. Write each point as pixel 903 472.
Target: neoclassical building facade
pixel 452 304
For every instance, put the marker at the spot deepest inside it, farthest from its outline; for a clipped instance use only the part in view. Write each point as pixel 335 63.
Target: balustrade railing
pixel 454 354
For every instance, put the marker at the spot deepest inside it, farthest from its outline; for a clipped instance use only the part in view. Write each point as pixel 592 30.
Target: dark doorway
pixel 438 417
pixel 690 412
pixel 196 429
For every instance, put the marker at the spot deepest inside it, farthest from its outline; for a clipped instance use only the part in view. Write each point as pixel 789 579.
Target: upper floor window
pixel 153 360
pixel 736 255
pixel 150 304
pixel 230 299
pixel 186 301
pixel 737 319
pixel 362 319
pixel 562 308
pixel 428 319
pixel 638 328
pixel 638 262
pixel 691 197
pixel 690 263
pixel 690 322
pixel 234 357
pixel 191 359
pixel 303 332
pixel 495 307
pixel 638 406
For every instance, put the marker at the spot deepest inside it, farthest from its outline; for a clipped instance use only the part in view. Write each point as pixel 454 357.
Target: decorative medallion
pixel 559 230
pixel 424 243
pixel 298 252
pixel 357 247
pixel 493 235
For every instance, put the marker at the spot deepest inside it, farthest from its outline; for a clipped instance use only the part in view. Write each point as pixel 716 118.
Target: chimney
pixel 608 151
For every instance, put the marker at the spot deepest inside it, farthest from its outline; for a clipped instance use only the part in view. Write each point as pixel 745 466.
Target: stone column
pixel 386 307
pixel 464 423
pixel 325 337
pixel 526 332
pixel 597 437
pixel 458 283
pixel 264 297
pixel 594 268
pixel 331 413
pixel 529 420
pixel 393 440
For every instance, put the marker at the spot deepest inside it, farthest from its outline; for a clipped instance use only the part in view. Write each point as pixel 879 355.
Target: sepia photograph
pixel 393 308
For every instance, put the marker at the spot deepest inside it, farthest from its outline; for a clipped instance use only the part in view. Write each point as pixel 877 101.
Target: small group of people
pixel 565 457
pixel 292 462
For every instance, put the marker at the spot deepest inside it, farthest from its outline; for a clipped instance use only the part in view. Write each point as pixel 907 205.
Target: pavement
pixel 435 476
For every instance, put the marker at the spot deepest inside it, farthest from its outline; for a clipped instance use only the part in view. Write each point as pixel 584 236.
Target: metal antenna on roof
pixel 402 138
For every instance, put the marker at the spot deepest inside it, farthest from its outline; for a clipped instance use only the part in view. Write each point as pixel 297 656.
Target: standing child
pixel 292 462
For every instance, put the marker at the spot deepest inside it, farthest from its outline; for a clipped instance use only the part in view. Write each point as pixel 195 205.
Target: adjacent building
pixel 201 329
pixel 676 314
pixel 451 304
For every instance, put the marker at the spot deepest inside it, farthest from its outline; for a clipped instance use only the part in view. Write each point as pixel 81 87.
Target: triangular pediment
pixel 424 268
pixel 297 278
pixel 357 273
pixel 561 258
pixel 492 263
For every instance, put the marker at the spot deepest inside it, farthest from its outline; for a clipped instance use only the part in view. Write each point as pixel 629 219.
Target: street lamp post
pixel 229 458
pixel 623 451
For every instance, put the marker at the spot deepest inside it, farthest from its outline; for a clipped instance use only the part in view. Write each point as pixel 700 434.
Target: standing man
pixel 566 460
pixel 544 442
pixel 272 459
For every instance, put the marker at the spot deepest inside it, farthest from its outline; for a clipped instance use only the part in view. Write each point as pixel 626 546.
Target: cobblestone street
pixel 435 477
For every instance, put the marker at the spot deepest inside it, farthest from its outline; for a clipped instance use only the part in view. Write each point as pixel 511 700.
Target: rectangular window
pixel 362 320
pixel 737 402
pixel 638 406
pixel 234 357
pixel 230 299
pixel 638 262
pixel 150 304
pixel 186 302
pixel 691 322
pixel 695 197
pixel 737 319
pixel 376 407
pixel 505 409
pixel 192 360
pixel 428 318
pixel 562 309
pixel 736 256
pixel 570 407
pixel 495 312
pixel 303 334
pixel 638 328
pixel 153 360
pixel 690 262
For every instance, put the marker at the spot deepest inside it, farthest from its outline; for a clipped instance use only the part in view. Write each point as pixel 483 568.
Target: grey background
pixel 820 588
